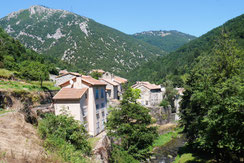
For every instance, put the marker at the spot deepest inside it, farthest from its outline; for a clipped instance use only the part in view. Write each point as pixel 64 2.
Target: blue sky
pixel 195 17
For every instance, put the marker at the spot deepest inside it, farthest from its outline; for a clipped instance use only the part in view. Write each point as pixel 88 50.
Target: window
pixel 102 105
pixel 97 125
pixel 86 95
pixel 97 116
pixel 97 94
pixel 97 106
pixel 103 114
pixel 102 93
pixel 146 102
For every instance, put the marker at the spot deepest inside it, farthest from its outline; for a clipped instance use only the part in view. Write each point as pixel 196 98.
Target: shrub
pixel 66 136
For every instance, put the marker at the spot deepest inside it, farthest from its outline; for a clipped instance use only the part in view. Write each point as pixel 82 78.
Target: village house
pixel 64 77
pixel 85 99
pixel 114 83
pixel 151 94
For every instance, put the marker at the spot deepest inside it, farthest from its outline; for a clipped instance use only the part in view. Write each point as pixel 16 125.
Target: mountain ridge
pixel 77 40
pixel 175 65
pixel 167 40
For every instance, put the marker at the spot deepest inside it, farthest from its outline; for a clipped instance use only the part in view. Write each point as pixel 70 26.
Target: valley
pixel 75 90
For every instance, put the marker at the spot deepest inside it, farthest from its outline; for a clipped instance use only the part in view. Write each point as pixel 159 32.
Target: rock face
pixel 101 151
pixel 77 40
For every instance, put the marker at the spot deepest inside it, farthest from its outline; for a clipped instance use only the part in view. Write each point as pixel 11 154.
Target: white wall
pixel 72 107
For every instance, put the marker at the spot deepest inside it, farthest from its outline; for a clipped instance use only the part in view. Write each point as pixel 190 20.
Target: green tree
pixel 65 136
pixel 169 96
pixel 212 109
pixel 130 126
pixel 96 75
pixel 33 70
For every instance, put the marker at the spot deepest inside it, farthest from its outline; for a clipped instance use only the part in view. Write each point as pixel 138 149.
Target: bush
pixel 6 74
pixel 66 136
pixel 118 155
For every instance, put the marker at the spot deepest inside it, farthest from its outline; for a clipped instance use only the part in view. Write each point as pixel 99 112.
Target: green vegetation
pixel 165 40
pixel 2 111
pixel 169 96
pixel 96 75
pixel 175 65
pixel 93 141
pixel 25 63
pixel 65 136
pixel 130 126
pixel 28 86
pixel 6 74
pixel 212 107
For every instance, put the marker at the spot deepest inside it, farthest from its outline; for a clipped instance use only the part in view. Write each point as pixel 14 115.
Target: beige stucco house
pixel 85 99
pixel 151 94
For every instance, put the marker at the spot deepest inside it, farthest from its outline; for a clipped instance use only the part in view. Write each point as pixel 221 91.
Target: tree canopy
pixel 212 109
pixel 130 126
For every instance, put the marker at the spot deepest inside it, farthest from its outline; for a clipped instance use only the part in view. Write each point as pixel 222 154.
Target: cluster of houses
pixel 87 99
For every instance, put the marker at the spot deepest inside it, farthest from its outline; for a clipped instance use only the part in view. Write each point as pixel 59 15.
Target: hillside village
pixel 88 99
pixel 74 90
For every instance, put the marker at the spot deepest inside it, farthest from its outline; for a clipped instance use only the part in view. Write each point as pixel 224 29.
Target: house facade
pixel 114 83
pixel 85 99
pixel 66 77
pixel 151 94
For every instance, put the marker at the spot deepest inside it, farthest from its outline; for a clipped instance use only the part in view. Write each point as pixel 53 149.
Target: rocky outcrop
pixel 101 151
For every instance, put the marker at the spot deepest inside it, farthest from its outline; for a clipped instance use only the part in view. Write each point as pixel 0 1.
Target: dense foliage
pixel 130 126
pixel 166 40
pixel 176 64
pixel 26 63
pixel 96 75
pixel 65 136
pixel 212 109
pixel 77 40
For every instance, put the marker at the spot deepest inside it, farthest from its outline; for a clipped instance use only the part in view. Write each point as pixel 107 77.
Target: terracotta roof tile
pixel 120 80
pixel 92 81
pixel 70 93
pixel 148 85
pixel 110 82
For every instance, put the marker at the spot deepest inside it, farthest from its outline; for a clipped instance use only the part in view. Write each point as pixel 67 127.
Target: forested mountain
pixel 165 40
pixel 174 65
pixel 24 62
pixel 77 40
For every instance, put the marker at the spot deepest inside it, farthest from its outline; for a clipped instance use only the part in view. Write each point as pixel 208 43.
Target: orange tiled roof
pixel 92 81
pixel 120 80
pixel 110 82
pixel 148 85
pixel 63 72
pixel 70 93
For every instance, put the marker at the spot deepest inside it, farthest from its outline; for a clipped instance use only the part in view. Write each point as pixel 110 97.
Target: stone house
pixel 85 99
pixel 151 94
pixel 114 85
pixel 66 77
